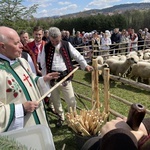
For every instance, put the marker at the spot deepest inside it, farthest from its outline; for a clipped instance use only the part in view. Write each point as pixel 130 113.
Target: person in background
pixel 20 87
pixel 46 36
pixel 115 40
pixel 145 33
pixel 146 36
pixel 105 44
pixel 67 37
pixel 63 35
pixel 96 42
pixel 24 38
pixel 35 47
pixel 133 41
pixel 57 57
pixel 77 41
pixel 124 42
pixel 118 135
pixel 140 40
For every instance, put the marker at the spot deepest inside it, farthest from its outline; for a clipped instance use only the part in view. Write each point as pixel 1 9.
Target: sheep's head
pixel 147 55
pixel 105 65
pixel 140 54
pixel 133 59
pixel 100 67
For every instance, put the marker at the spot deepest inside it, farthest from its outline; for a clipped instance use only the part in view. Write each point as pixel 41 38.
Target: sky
pixel 49 8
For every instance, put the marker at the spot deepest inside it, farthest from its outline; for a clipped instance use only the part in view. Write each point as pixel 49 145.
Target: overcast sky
pixel 48 8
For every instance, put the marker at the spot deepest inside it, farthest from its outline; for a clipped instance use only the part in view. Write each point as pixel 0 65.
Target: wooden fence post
pixel 95 85
pixel 106 89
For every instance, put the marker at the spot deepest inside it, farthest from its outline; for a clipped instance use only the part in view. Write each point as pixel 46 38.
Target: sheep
pixel 101 68
pixel 146 56
pixel 137 53
pixel 119 68
pixel 100 60
pixel 114 57
pixel 122 58
pixel 147 60
pixel 101 65
pixel 118 57
pixel 140 54
pixel 142 70
pixel 131 53
pixel 146 50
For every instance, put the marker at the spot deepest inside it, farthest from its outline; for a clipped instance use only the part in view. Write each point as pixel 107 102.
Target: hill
pixel 108 11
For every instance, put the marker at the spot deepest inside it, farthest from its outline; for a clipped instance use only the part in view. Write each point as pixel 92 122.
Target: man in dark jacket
pixel 115 39
pixel 57 56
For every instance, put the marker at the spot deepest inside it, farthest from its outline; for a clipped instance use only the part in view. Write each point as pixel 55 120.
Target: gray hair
pixel 54 32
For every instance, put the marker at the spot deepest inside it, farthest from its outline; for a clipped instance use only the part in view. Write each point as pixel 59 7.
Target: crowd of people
pixel 30 67
pixel 110 42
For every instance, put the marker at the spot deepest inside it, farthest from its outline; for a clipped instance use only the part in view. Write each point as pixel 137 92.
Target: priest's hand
pixel 30 106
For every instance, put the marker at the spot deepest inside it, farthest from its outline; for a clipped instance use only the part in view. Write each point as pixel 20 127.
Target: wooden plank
pixel 131 82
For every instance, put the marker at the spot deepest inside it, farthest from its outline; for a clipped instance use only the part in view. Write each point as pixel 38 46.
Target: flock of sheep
pixel 135 65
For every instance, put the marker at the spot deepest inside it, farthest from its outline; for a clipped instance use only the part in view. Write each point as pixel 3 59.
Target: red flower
pixel 15 94
pixel 9 82
pixel 8 90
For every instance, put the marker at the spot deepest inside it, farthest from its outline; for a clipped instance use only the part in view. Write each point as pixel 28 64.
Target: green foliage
pixel 135 19
pixel 7 143
pixel 12 12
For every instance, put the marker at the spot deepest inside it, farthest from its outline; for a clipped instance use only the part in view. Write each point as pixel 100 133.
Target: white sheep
pixel 137 53
pixel 131 53
pixel 100 60
pixel 122 58
pixel 101 68
pixel 146 50
pixel 140 54
pixel 114 57
pixel 146 56
pixel 142 70
pixel 118 57
pixel 100 64
pixel 119 68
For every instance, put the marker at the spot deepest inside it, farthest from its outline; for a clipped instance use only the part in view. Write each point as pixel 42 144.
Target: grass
pixel 64 135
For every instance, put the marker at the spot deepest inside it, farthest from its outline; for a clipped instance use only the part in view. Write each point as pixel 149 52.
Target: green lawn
pixel 64 135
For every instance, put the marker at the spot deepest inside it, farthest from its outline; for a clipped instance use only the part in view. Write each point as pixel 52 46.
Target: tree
pixel 12 11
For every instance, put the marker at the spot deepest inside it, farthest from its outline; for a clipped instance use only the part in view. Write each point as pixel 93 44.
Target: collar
pixel 58 46
pixel 7 59
pixel 38 43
